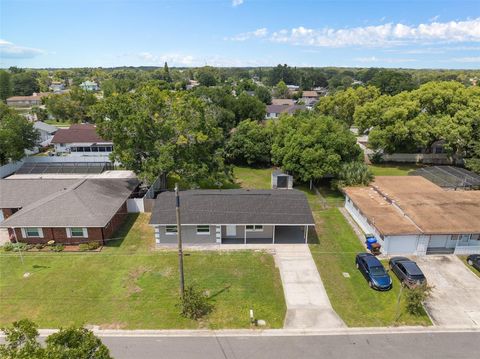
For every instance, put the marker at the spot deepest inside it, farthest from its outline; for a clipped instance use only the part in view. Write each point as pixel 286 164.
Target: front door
pixel 231 231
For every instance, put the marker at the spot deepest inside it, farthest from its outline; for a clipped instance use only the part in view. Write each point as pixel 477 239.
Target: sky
pixel 361 33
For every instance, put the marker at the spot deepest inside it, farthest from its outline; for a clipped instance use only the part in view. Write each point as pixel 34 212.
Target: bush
pixel 93 245
pixel 83 247
pixel 39 246
pixel 8 247
pixel 57 248
pixel 194 304
pixel 353 174
pixel 416 297
pixel 17 247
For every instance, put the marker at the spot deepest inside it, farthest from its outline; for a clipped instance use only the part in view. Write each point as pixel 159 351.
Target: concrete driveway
pixel 455 300
pixel 308 306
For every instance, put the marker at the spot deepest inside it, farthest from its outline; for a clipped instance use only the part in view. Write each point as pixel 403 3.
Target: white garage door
pixel 401 244
pixel 438 241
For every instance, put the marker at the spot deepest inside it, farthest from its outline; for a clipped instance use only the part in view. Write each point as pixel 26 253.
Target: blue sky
pixel 363 33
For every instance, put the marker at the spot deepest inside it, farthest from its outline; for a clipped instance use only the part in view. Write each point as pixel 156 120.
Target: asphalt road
pixel 391 346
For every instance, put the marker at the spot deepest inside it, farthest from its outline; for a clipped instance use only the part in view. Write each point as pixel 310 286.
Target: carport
pixel 290 234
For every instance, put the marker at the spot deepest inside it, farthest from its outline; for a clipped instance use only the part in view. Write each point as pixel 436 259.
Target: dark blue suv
pixel 373 271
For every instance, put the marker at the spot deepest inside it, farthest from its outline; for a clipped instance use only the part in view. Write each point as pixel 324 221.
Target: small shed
pixel 281 180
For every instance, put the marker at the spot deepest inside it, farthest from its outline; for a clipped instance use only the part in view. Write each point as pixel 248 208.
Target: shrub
pixel 17 247
pixel 415 298
pixel 57 248
pixel 39 246
pixel 194 303
pixel 93 245
pixel 83 247
pixel 353 174
pixel 8 247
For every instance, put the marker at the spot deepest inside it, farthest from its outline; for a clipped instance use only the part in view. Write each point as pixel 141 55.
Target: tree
pixel 281 90
pixel 250 143
pixel 157 132
pixel 353 174
pixel 194 303
pixel 264 94
pixel 76 343
pixel 207 76
pixel 392 82
pixel 166 73
pixel 16 135
pixel 22 343
pixel 312 146
pixel 415 298
pixel 342 104
pixel 414 120
pixel 73 106
pixel 5 85
pixel 249 107
pixel 25 83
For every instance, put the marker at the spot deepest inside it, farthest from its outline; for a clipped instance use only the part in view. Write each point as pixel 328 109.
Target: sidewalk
pixel 308 306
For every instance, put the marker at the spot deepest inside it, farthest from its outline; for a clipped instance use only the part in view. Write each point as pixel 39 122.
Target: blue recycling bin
pixel 370 240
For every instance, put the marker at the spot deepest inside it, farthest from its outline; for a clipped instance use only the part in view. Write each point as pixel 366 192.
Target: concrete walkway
pixel 308 306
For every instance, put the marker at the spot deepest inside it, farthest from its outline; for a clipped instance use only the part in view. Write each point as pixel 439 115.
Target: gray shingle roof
pixel 39 125
pixel 234 207
pixel 84 203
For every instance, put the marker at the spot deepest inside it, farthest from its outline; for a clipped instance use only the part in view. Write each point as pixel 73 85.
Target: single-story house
pixel 68 211
pixel 310 94
pixel 45 131
pixel 411 215
pixel 274 111
pixel 283 101
pixel 81 140
pixel 236 216
pixel 27 101
pixel 57 86
pixel 89 86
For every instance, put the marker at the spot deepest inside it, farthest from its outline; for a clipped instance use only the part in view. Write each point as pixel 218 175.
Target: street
pixel 392 346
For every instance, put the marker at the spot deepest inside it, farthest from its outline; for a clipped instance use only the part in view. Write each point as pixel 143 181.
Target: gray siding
pixel 266 233
pixel 189 235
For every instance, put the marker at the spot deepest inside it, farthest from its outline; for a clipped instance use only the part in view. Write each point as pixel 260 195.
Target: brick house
pixel 68 211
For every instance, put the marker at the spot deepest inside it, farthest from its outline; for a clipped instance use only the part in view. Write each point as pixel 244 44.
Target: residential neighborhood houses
pixel 81 140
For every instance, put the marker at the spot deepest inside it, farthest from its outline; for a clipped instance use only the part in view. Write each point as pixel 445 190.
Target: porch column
pixel 273 236
pixel 245 235
pixel 306 234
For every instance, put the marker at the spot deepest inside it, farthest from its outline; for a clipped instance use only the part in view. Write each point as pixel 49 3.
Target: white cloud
pixel 467 59
pixel 259 33
pixel 393 60
pixel 173 59
pixel 11 51
pixel 374 36
pixel 237 2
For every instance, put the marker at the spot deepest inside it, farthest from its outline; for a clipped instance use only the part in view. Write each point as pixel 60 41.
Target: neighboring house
pixel 68 211
pixel 235 216
pixel 46 132
pixel 81 140
pixel 89 86
pixel 309 102
pixel 274 111
pixel 27 101
pixel 310 94
pixel 57 86
pixel 191 84
pixel 283 101
pixel 411 215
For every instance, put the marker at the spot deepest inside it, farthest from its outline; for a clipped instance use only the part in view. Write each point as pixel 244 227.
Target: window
pixel 94 149
pixel 203 229
pixel 254 228
pixel 475 237
pixel 32 232
pixel 77 232
pixel 171 230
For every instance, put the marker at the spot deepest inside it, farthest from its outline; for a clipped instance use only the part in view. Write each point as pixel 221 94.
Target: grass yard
pixel 58 123
pixel 464 260
pixel 253 178
pixel 127 285
pixel 393 169
pixel 352 299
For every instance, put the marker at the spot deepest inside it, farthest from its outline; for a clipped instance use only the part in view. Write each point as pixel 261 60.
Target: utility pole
pixel 179 238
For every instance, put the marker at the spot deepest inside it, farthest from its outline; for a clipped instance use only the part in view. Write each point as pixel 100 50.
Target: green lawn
pixel 352 299
pixel 253 178
pixel 58 123
pixel 127 285
pixel 464 260
pixel 393 169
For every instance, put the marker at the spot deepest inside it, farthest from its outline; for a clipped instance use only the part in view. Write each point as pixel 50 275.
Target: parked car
pixel 474 261
pixel 373 271
pixel 407 271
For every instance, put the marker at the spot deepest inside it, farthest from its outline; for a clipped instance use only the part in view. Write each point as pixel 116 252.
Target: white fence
pixel 10 168
pixel 466 250
pixel 145 204
pixel 430 158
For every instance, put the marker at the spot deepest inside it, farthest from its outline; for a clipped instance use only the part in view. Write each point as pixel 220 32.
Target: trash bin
pixel 370 240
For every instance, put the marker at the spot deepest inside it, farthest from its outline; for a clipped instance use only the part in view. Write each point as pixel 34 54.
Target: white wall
pixel 401 244
pixel 362 220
